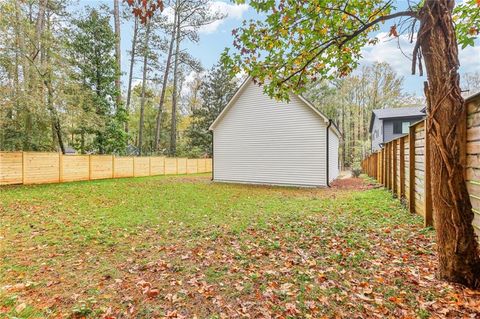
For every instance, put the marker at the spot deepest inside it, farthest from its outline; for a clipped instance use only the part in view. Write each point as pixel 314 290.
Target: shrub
pixel 356 172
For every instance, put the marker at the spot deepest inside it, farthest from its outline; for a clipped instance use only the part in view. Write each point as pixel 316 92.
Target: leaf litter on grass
pixel 236 251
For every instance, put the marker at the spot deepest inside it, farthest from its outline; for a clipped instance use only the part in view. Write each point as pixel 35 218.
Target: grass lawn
pixel 183 247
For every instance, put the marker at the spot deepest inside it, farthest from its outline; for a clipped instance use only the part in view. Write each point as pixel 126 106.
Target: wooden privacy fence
pixel 402 166
pixel 40 168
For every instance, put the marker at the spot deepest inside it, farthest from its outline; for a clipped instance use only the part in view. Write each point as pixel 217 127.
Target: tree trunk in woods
pixel 164 85
pixel 144 84
pixel 39 25
pixel 173 130
pixel 56 126
pixel 48 82
pixel 459 259
pixel 21 45
pixel 132 64
pixel 18 38
pixel 116 17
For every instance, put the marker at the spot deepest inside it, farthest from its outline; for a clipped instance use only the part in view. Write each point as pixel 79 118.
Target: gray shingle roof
pixel 400 112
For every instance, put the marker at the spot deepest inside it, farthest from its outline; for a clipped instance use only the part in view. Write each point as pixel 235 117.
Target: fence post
pixel 23 167
pixel 60 167
pixel 389 165
pixel 113 166
pixel 150 166
pixel 392 184
pixel 379 167
pixel 427 181
pixel 384 167
pixel 411 168
pixel 401 191
pixel 133 166
pixel 89 167
pixel 394 166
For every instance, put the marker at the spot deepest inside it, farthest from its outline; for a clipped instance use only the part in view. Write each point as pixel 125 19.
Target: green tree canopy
pixel 215 92
pixel 302 41
pixel 92 51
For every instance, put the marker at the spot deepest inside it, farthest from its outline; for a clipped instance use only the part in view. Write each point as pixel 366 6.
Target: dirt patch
pixel 352 183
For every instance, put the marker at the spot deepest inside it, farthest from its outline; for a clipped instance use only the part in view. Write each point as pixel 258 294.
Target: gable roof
pixel 414 111
pixel 304 100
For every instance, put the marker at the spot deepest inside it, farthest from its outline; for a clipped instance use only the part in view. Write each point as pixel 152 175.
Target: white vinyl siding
pixel 333 146
pixel 260 140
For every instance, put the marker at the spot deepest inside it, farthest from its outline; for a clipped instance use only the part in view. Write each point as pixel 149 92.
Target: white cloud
pixel 169 13
pixel 190 79
pixel 234 11
pixel 470 58
pixel 389 49
pixel 230 10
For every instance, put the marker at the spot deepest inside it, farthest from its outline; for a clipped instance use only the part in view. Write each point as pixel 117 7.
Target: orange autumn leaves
pixel 144 9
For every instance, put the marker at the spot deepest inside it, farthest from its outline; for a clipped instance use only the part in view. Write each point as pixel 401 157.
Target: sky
pixel 216 36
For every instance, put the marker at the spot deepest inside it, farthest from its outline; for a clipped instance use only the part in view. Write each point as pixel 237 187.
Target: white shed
pixel 259 140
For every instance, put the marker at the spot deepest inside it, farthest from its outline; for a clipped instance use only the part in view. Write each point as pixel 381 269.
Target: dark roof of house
pixel 414 111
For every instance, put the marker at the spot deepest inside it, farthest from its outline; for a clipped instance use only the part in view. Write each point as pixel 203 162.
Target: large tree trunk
pixel 132 64
pixel 156 145
pixel 173 129
pixel 116 17
pixel 144 84
pixel 457 247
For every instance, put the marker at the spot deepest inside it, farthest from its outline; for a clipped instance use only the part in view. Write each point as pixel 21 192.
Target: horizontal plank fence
pixel 402 166
pixel 42 168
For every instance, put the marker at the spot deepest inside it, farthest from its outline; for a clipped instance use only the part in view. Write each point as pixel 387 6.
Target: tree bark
pixel 173 129
pixel 132 64
pixel 459 259
pixel 164 85
pixel 39 26
pixel 48 82
pixel 21 47
pixel 144 84
pixel 116 17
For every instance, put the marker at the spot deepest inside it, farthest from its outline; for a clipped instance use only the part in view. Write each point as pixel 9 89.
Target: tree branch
pixel 351 36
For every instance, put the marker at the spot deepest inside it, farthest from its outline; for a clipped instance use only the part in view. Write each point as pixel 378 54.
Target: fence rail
pixel 41 168
pixel 403 166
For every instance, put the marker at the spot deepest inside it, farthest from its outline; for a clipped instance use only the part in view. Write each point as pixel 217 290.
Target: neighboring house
pixel 388 124
pixel 263 141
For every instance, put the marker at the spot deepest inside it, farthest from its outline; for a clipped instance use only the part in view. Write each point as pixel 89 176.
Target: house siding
pixel 260 140
pixel 388 134
pixel 377 134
